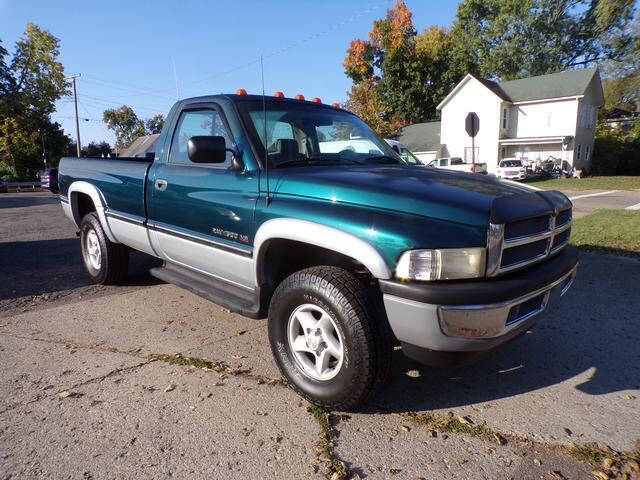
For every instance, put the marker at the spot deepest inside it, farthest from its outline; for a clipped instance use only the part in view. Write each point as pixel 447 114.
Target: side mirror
pixel 207 149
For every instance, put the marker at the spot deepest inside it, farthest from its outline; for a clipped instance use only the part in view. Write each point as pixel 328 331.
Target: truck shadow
pixel 47 266
pixel 596 329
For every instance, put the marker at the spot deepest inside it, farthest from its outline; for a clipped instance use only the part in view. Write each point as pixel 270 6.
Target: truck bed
pixel 121 180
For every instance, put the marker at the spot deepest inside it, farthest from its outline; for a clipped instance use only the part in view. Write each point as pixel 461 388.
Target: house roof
pixel 569 83
pixel 141 146
pixel 554 85
pixel 421 137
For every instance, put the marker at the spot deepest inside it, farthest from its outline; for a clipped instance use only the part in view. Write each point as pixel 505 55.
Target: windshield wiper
pixel 310 160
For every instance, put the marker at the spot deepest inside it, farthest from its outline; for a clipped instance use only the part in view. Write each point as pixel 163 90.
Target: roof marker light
pixel 241 91
pixel 278 95
pixel 316 100
pixel 335 105
pixel 299 97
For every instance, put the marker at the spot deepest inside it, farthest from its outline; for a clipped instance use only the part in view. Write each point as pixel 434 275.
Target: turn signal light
pixel 316 100
pixel 278 95
pixel 241 91
pixel 299 97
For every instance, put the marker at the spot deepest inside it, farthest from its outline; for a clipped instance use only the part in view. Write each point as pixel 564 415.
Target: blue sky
pixel 125 49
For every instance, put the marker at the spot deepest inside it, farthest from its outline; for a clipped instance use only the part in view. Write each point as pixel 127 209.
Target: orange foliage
pixel 393 31
pixel 359 60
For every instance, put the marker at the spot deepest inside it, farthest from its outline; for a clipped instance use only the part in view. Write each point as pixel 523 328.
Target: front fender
pixel 321 236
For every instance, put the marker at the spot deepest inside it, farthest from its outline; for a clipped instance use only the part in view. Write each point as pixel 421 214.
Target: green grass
pixel 590 183
pixel 610 231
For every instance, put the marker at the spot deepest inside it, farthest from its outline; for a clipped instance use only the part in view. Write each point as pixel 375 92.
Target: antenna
pixel 175 77
pixel 264 115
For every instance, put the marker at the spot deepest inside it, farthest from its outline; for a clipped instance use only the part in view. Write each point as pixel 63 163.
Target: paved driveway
pixel 81 397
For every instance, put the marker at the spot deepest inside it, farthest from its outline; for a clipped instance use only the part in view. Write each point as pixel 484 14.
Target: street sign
pixel 472 124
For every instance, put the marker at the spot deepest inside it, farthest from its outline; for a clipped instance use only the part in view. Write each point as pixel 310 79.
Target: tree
pixel 622 78
pixel 514 39
pixel 154 124
pixel 366 102
pixel 411 73
pixel 30 83
pixel 125 123
pixel 94 149
pixel 127 126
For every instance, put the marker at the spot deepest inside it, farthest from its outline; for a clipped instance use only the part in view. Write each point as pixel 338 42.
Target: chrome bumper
pixel 463 328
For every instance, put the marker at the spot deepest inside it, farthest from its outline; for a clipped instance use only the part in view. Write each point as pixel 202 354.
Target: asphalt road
pixel 588 201
pixel 574 378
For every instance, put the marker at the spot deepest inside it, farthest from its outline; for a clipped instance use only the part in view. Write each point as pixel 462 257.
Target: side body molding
pixel 321 236
pixel 98 201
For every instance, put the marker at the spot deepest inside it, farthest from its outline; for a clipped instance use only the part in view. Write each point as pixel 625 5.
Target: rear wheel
pixel 329 339
pixel 106 262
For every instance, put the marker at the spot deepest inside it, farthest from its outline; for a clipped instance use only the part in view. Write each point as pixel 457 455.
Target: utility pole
pixel 75 101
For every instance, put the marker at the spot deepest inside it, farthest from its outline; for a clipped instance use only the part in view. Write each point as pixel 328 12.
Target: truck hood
pixel 452 196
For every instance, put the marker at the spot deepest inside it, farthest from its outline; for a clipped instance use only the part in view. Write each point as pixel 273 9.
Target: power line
pixel 280 51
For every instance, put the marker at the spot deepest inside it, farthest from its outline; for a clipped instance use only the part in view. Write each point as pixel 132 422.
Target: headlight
pixel 445 264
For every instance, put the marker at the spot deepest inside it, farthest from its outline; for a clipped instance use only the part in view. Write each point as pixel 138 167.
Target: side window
pixel 444 162
pixel 196 123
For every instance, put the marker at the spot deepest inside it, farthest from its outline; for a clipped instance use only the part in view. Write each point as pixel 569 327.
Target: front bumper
pixel 450 323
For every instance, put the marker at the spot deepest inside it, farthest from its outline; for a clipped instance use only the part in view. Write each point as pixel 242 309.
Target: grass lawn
pixel 590 183
pixel 609 231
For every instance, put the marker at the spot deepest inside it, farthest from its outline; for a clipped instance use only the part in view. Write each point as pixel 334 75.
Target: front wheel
pixel 106 262
pixel 329 337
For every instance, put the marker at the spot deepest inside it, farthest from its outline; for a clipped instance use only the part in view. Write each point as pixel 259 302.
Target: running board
pixel 234 298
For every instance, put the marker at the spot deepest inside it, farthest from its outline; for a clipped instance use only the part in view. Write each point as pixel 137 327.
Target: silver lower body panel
pixel 468 328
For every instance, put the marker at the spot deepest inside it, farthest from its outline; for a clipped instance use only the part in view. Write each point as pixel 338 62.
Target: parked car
pixel 345 252
pixel 4 186
pixel 49 179
pixel 511 169
pixel 402 150
pixel 457 164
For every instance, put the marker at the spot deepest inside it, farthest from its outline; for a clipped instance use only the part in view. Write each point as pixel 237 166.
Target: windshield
pixel 303 134
pixel 511 163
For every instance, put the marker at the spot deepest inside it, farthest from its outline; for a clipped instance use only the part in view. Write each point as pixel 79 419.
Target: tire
pixel 106 262
pixel 346 312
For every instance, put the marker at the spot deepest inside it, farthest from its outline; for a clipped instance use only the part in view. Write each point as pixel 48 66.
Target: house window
pixel 505 118
pixel 587 152
pixel 578 152
pixel 503 153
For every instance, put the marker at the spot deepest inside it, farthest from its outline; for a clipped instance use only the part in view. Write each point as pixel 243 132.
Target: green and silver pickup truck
pixel 296 211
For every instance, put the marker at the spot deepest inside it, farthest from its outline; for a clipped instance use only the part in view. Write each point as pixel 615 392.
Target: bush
pixel 615 154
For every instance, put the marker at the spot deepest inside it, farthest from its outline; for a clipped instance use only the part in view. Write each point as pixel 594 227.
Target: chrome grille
pixel 520 243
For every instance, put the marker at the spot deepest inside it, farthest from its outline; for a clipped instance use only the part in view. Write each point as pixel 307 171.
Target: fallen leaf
pixel 537 461
pixel 556 474
pixel 567 431
pixel 500 440
pixel 465 420
pixel 607 463
pixel 394 471
pixel 240 332
pixel 600 475
pixel 405 428
pixel 239 356
pixel 68 394
pixel 630 397
pixel 170 388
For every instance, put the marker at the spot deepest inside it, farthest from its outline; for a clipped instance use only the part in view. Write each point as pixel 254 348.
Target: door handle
pixel 161 185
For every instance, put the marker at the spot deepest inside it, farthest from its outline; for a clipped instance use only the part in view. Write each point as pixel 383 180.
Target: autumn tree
pixel 411 73
pixel 366 102
pixel 154 124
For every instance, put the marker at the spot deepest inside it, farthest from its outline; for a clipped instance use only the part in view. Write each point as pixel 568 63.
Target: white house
pixel 531 118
